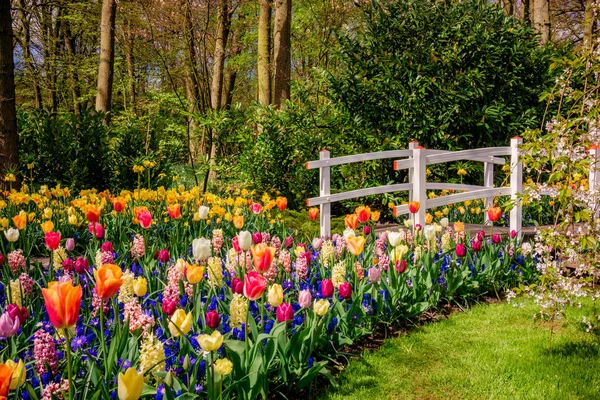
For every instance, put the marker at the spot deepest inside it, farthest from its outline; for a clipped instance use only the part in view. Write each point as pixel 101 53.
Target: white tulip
pixel 394 238
pixel 12 235
pixel 444 222
pixel 201 248
pixel 348 233
pixel 245 240
pixel 203 212
pixel 429 232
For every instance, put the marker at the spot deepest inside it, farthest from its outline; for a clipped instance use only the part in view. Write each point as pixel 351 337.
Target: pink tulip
pixel 345 290
pixel 327 288
pixel 257 237
pixel 213 319
pixel 374 274
pixel 496 238
pixel 68 265
pixel 400 266
pixel 107 246
pixel 480 236
pixel 289 242
pixel 164 255
pixel 169 306
pixel 461 250
pixel 285 312
pixel 305 298
pixel 145 219
pixel 513 234
pixel 236 244
pixel 256 208
pixel 8 326
pixel 237 286
pixel 81 265
pixel 17 312
pixel 367 230
pixel 70 244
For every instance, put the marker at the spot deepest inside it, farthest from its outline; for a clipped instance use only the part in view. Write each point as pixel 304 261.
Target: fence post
pixel 516 186
pixel 594 174
pixel 488 182
pixel 324 190
pixel 419 192
pixel 411 146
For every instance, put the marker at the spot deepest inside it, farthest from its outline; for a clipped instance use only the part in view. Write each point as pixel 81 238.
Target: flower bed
pixel 173 294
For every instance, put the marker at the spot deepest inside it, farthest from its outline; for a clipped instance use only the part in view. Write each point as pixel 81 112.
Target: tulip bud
pixel 284 312
pixel 68 265
pixel 107 246
pixel 236 244
pixel 444 222
pixel 374 274
pixel 70 244
pixel 81 265
pixel 367 230
pixel 496 238
pixel 203 212
pixel 237 286
pixel 401 266
pixel 480 236
pixel 2 260
pixel 317 243
pixel 169 306
pixel 187 363
pixel 513 234
pixel 169 379
pixel 140 286
pixel 164 255
pixel 476 245
pixel 289 242
pixel 245 240
pixel 213 319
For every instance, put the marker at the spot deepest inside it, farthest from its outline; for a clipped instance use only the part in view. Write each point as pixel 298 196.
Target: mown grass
pixel 492 351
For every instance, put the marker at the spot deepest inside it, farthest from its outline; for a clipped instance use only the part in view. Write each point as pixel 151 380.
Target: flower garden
pixel 176 294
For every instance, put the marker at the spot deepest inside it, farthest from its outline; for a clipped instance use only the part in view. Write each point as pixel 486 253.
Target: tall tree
pixel 9 155
pixel 588 24
pixel 264 53
pixel 526 11
pixel 541 19
pixel 71 68
pixel 107 58
pixel 509 7
pixel 25 42
pixel 282 51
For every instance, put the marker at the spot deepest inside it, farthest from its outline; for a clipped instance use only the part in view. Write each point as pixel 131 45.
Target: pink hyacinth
pixel 379 248
pixel 107 257
pixel 16 260
pixel 26 284
pixel 360 273
pixel 276 243
pixel 137 318
pixel 285 259
pixel 217 240
pixel 340 244
pixel 54 390
pixel 271 274
pixel 301 267
pixel 44 352
pixel 138 248
pixel 266 237
pixel 383 262
pixel 97 302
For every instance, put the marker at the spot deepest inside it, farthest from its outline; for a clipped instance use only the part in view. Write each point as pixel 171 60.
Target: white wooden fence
pixel 416 159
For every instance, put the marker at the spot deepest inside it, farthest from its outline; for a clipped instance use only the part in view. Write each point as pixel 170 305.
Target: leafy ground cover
pixel 492 351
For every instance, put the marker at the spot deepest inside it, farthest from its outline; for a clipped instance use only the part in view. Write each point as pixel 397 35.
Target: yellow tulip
pixel 180 322
pixel 356 244
pixel 194 273
pixel 275 295
pixel 18 373
pixel 47 226
pixel 210 342
pixel 140 286
pixel 223 366
pixel 321 307
pixel 130 385
pixel 238 221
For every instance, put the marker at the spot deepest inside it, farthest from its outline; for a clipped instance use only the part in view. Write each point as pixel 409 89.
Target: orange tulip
pixel 119 204
pixel 313 213
pixel 92 212
pixel 238 221
pixel 494 213
pixel 351 221
pixel 20 220
pixel 174 210
pixel 356 244
pixel 138 210
pixel 5 377
pixel 363 213
pixel 281 203
pixel 414 206
pixel 108 280
pixel 62 301
pixel 263 256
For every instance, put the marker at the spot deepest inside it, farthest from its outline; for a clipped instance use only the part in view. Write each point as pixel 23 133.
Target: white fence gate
pixel 416 159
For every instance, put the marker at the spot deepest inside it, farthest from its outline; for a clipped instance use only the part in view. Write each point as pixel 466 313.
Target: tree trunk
pixel 588 25
pixel 264 53
pixel 52 33
pixel 282 51
pixel 508 7
pixel 541 19
pixel 228 86
pixel 191 81
pixel 526 11
pixel 130 65
pixel 9 154
pixel 71 68
pixel 107 58
pixel 25 43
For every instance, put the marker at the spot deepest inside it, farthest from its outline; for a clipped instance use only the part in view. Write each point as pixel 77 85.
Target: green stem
pixel 102 341
pixel 69 365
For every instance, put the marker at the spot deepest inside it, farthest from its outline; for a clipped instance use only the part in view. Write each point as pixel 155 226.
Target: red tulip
pixel 476 245
pixel 213 319
pixel 68 265
pixel 414 207
pixel 327 288
pixel 52 240
pixel 2 259
pixel 257 237
pixel 81 265
pixel 119 204
pixel 174 210
pixel 461 250
pixel 236 244
pixel 496 238
pixel 313 213
pixel 96 229
pixel 17 312
pixel 513 234
pixel 289 242
pixel 107 246
pixel 254 285
pixel 367 230
pixel 494 213
pixel 169 306
pixel 285 312
pixel 63 301
pixel 164 255
pixel 345 290
pixel 400 266
pixel 92 213
pixel 480 236
pixel 281 203
pixel 145 219
pixel 237 286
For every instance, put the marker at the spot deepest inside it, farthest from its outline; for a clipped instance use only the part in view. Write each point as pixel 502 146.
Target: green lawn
pixel 493 351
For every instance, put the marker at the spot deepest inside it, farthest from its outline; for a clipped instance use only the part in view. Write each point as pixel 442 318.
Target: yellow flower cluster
pixel 338 274
pixel 126 291
pixel 238 309
pixel 152 356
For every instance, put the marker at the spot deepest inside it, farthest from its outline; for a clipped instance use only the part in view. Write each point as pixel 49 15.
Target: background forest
pixel 114 94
